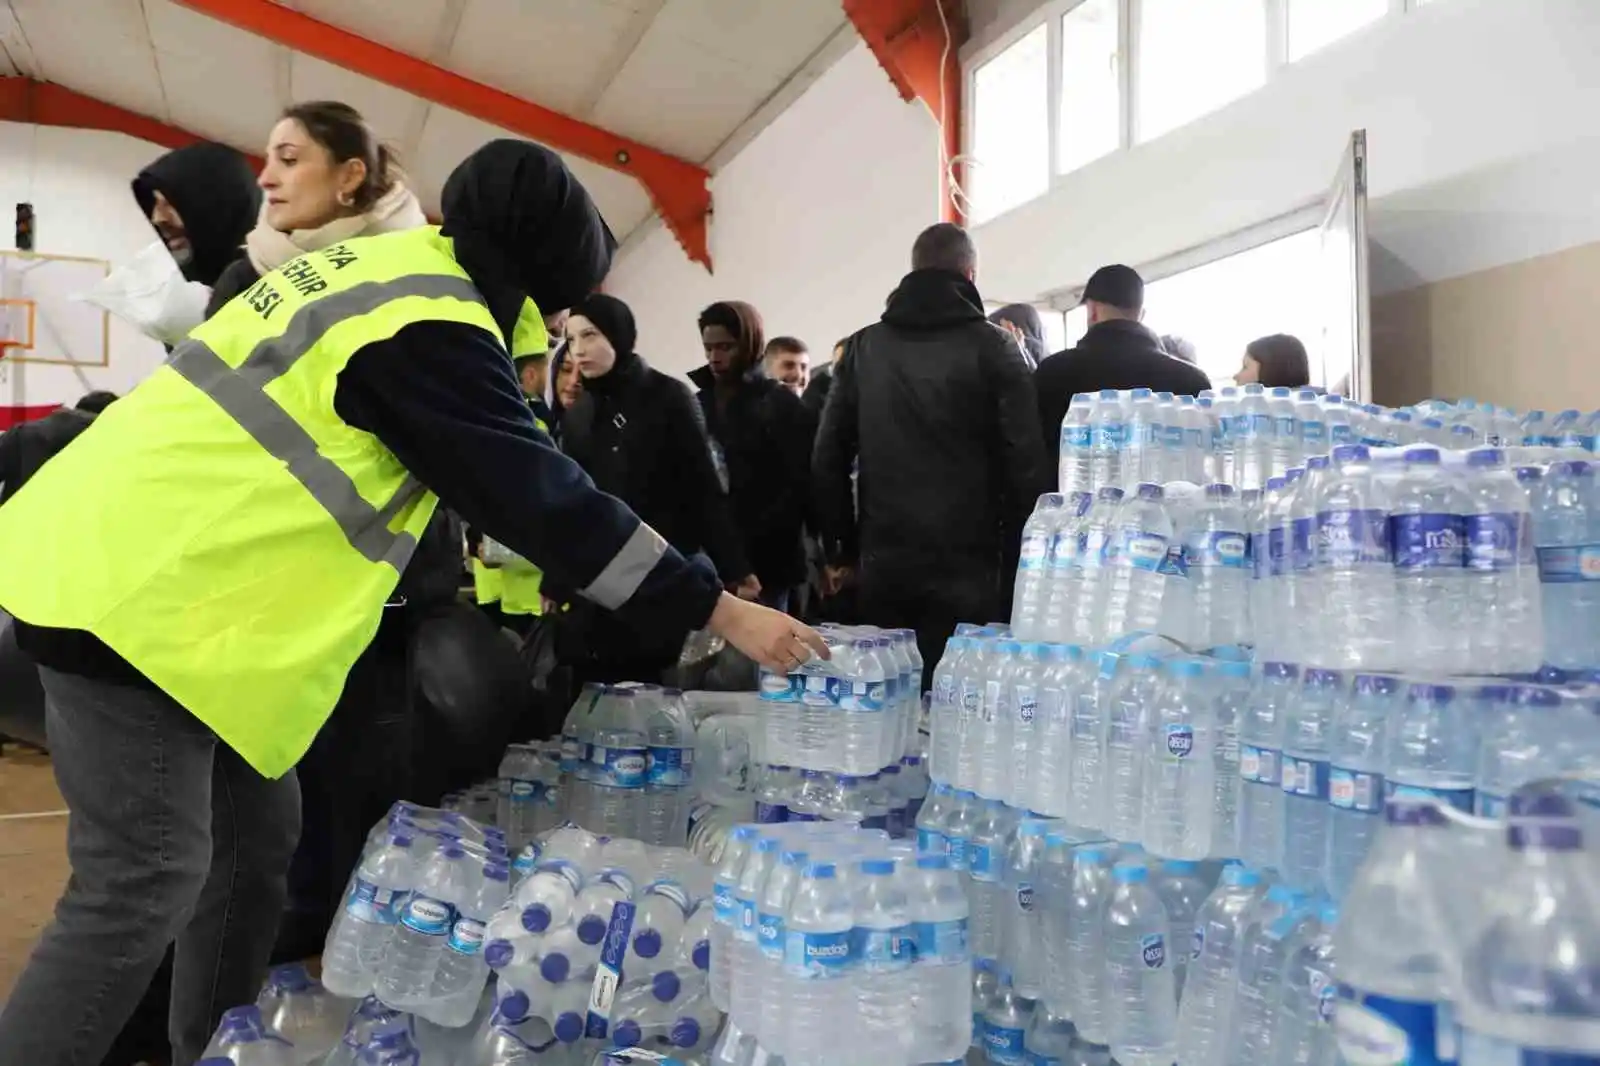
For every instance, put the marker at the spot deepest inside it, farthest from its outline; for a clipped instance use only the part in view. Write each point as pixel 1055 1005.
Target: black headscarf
pixel 614 319
pixel 214 191
pixel 524 226
pixel 1026 318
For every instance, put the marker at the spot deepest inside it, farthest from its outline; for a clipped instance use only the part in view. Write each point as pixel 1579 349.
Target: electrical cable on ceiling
pixel 958 195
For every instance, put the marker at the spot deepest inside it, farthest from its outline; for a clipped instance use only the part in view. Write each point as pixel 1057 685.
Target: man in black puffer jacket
pixel 936 404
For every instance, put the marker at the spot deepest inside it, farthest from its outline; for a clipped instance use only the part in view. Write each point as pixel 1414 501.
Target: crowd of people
pixel 273 647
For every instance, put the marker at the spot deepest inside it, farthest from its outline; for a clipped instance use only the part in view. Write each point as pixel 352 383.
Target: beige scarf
pixel 269 249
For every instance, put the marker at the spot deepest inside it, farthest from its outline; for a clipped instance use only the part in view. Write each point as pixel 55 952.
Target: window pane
pixel 1077 323
pixel 1195 57
pixel 1055 330
pixel 1011 127
pixel 1314 23
pixel 1091 125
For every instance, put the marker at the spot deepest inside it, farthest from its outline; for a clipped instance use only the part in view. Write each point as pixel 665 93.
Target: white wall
pixel 1448 89
pixel 814 221
pixel 78 183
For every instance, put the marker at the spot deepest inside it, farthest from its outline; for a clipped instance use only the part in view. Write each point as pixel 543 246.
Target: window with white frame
pixel 1010 146
pixel 1192 58
pixel 1313 24
pixel 1090 122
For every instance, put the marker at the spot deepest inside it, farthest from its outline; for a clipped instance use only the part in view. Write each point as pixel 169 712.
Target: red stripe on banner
pixel 14 415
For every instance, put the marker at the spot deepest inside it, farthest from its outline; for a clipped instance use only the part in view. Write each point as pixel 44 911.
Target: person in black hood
pixel 935 405
pixel 1022 322
pixel 640 435
pixel 202 200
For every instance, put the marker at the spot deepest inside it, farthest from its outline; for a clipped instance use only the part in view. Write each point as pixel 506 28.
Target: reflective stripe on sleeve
pixel 627 569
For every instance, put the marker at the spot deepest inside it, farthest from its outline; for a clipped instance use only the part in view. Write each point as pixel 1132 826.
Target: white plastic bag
pixel 149 291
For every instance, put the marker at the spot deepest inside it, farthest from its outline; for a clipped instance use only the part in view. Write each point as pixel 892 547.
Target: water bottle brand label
pixel 1324 993
pixel 971 698
pixel 1142 434
pixel 1428 541
pixel 1142 550
pixel 1220 548
pixel 1094 545
pixel 782 688
pixel 1285 427
pixel 1063 550
pixel 944 690
pixel 466 937
pixel 1153 950
pixel 1315 434
pixel 1341 433
pixel 1026 700
pixel 1179 741
pixel 1352 538
pixel 1004 1045
pixel 1025 896
pixel 959 854
pixel 1038 1058
pixel 608 974
pixel 981 863
pixel 376 906
pixel 572 753
pixel 1259 765
pixel 1198 439
pixel 668 767
pixel 1569 565
pixel 622 767
pixel 822 691
pixel 1172 438
pixel 1035 550
pixel 942 943
pixel 932 842
pixel 1305 777
pixel 1176 563
pixel 1108 436
pixel 746 925
pixel 1497 542
pixel 428 916
pixel 1480 1049
pixel 1380 1031
pixel 1490 804
pixel 1077 437
pixel 769 934
pixel 524 863
pixel 723 908
pixel 1197 944
pixel 1355 790
pixel 1302 545
pixel 1459 798
pixel 885 950
pixel 989 710
pixel 771 813
pixel 526 791
pixel 817 955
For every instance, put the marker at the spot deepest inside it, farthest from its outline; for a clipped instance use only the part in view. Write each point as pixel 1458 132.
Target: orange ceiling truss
pixel 917 43
pixel 679 189
pixel 41 103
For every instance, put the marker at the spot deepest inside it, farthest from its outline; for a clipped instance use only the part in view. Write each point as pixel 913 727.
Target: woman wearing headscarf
pixel 640 435
pixel 249 508
pixel 1022 322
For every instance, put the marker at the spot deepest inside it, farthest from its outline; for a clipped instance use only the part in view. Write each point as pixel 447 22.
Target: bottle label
pixel 885 950
pixel 1352 538
pixel 1381 1031
pixel 1024 896
pixel 971 698
pixel 817 955
pixel 1459 798
pixel 1479 1049
pixel 931 842
pixel 1355 790
pixel 1569 565
pixel 376 906
pixel 523 792
pixel 466 937
pixel 1077 437
pixel 771 813
pixel 981 863
pixel 1199 439
pixel 1259 765
pixel 989 710
pixel 745 918
pixel 1284 427
pixel 1490 804
pixel 944 689
pixel 822 691
pixel 1063 550
pixel 1093 547
pixel 959 854
pixel 1341 433
pixel 572 753
pixel 1025 698
pixel 1108 436
pixel 769 934
pixel 668 767
pixel 942 943
pixel 1428 541
pixel 1315 435
pixel 864 697
pixel 1176 563
pixel 1142 550
pixel 1302 544
pixel 1004 1046
pixel 781 688
pixel 1497 542
pixel 1197 945
pixel 1142 434
pixel 1172 438
pixel 723 908
pixel 1153 951
pixel 1035 550
pixel 621 767
pixel 428 916
pixel 1305 777
pixel 1179 741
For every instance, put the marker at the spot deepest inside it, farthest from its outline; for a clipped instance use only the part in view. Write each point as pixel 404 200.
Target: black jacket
pixel 1117 354
pixel 937 405
pixel 815 397
pixel 641 436
pixel 214 191
pixel 24 448
pixel 764 437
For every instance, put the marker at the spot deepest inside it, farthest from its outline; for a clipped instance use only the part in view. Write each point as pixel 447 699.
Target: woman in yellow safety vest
pixel 222 542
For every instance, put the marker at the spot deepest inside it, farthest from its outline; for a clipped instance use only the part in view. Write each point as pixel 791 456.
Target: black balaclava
pixel 214 191
pixel 614 319
pixel 524 226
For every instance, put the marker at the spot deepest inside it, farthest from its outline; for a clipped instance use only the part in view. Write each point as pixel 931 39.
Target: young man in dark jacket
pixel 936 405
pixel 762 435
pixel 1117 352
pixel 202 200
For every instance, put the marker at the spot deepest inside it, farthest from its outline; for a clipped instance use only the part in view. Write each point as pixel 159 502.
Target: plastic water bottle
pixel 1086 755
pixel 772 910
pixel 1269 569
pixel 1138 964
pixel 1129 718
pixel 818 741
pixel 1182 893
pixel 1285 431
pixel 1523 998
pixel 1227 688
pixel 1252 439
pixel 1135 577
pixel 1260 766
pixel 617 764
pixel 1049 1037
pixel 941 1003
pixel 1051 898
pixel 884 944
pixel 1174 445
pixel 1428 529
pixel 1394 944
pixel 1049 762
pixel 725 910
pixel 1307 729
pixel 458 982
pixel 971 685
pixel 1521 740
pixel 1108 436
pixel 996 757
pixel 1308 995
pixel 1022 926
pixel 520 793
pixel 1262 953
pixel 418 943
pixel 669 771
pixel 1076 471
pixel 244 1040
pixel 369 1017
pixel 390 1047
pixel 1063 575
pixel 1566 532
pixel 1179 769
pixel 1021 703
pixel 1142 448
pixel 1086 941
pixel 959 827
pixel 1092 567
pixel 932 820
pixel 1225 409
pixel 1216 552
pixel 780 709
pixel 818 960
pixel 1356 763
pixel 1506 635
pixel 299 1009
pixel 944 712
pixel 1355 575
pixel 1006 1022
pixel 658 927
pixel 986 858
pixel 359 939
pixel 1205 1022
pixel 745 986
pixel 1432 745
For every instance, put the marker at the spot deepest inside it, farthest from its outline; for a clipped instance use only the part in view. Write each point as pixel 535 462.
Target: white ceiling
pixel 689 77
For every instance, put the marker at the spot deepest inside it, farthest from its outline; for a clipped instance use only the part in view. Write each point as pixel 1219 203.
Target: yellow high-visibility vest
pixel 486 583
pixel 222 528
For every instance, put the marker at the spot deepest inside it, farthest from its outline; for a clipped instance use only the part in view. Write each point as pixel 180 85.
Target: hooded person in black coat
pixel 1022 321
pixel 640 435
pixel 208 201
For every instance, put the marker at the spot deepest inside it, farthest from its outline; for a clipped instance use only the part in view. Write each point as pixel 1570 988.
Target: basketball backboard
pixel 41 318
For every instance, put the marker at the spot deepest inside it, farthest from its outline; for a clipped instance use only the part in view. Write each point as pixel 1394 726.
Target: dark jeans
pixel 171 836
pixel 931 600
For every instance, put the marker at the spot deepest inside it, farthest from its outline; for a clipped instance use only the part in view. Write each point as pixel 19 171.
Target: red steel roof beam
pixel 677 187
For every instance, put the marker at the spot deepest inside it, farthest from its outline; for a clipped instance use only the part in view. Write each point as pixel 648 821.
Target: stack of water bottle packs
pixel 835 945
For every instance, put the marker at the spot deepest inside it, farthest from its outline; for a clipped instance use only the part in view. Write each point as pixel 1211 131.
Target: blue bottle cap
pixel 685 1033
pixel 701 956
pixel 665 986
pixel 592 929
pixel 628 1034
pixel 536 918
pixel 1130 873
pixel 647 943
pixel 1179 867
pixel 498 954
pixel 569 1027
pixel 555 967
pixel 514 1007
